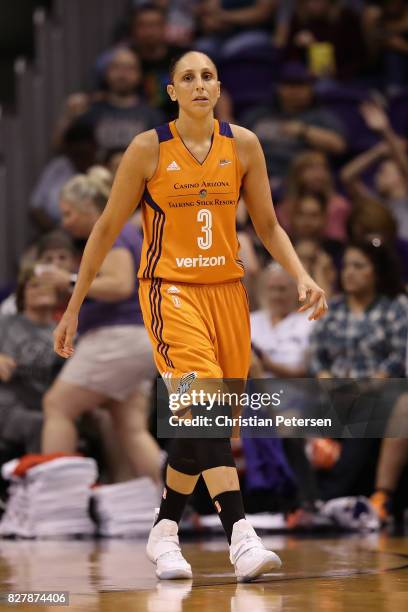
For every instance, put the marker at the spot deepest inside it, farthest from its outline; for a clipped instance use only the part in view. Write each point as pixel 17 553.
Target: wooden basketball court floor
pixel 331 574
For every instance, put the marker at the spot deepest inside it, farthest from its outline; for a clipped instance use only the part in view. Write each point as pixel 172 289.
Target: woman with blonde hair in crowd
pixel 112 365
pixel 310 173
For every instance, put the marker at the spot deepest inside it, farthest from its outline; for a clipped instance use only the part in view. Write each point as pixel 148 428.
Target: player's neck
pixel 195 130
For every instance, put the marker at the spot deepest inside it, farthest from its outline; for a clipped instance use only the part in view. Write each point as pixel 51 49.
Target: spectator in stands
pixel 148 39
pixel 112 361
pixel 363 337
pixel 77 154
pixel 310 173
pixel 392 461
pixel 75 105
pixel 280 338
pixel 294 124
pixel 28 364
pixel 328 37
pixel 280 334
pixel 307 221
pixel 319 264
pixel 371 220
pixel 393 458
pixel 180 20
pixel 391 177
pixel 56 249
pixel 56 263
pixel 364 333
pixel 387 35
pixel 122 114
pixel 228 27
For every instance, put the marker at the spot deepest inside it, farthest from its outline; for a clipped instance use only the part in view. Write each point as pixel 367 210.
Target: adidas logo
pixel 225 162
pixel 173 289
pixel 173 166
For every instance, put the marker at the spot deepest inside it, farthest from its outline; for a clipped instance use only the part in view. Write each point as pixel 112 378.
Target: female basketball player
pixel 188 176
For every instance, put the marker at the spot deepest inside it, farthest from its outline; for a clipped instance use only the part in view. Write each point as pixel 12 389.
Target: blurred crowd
pixel 323 85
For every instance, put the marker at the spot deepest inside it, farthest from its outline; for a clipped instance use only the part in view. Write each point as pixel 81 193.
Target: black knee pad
pixel 213 452
pixel 182 456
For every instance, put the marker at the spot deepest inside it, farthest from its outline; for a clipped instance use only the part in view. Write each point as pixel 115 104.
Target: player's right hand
pixel 64 335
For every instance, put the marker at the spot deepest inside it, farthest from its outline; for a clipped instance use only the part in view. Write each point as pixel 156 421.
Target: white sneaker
pixel 248 554
pixel 163 549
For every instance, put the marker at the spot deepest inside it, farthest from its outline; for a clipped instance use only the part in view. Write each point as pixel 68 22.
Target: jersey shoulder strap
pixel 225 129
pixel 164 132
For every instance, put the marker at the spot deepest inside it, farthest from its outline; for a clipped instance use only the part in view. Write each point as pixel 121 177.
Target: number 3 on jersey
pixel 205 216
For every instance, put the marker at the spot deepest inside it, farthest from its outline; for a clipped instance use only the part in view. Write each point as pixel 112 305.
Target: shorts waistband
pixel 234 281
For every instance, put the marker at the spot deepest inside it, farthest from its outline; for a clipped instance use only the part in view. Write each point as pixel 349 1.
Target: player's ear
pixel 218 89
pixel 172 92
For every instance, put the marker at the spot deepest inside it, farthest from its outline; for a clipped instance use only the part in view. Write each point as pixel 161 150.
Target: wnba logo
pixel 203 193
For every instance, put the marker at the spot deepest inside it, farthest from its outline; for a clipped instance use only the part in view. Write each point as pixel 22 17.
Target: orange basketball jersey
pixel 189 211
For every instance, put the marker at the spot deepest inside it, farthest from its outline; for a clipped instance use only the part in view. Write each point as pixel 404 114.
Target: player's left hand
pixel 313 296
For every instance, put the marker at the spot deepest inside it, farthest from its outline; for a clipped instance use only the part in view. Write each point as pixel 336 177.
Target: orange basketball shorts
pixel 197 328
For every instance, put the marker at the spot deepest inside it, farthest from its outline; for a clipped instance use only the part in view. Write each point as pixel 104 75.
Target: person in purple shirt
pixel 113 364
